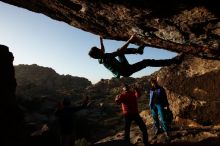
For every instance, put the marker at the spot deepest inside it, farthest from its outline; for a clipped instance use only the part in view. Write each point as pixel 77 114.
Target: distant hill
pixel 35 81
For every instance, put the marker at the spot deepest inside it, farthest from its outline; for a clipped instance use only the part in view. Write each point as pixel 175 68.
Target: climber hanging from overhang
pixel 121 67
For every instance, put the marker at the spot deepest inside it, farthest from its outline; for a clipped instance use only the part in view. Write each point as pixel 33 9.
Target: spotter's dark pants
pixel 138 120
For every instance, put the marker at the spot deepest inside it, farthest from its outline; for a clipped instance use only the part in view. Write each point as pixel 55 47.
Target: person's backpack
pixel 168 116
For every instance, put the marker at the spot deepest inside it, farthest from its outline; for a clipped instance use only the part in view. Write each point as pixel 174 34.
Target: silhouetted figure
pixel 121 67
pixel 159 104
pixel 128 99
pixel 12 124
pixel 66 120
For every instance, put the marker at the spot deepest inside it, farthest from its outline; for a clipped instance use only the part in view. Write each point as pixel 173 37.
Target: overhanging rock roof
pixel 190 26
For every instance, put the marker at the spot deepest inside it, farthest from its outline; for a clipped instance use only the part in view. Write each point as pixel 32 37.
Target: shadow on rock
pixel 114 143
pixel 213 141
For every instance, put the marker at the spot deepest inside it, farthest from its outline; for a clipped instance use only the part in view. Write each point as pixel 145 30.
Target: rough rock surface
pixel 193 89
pixel 186 26
pixel 180 26
pixel 182 135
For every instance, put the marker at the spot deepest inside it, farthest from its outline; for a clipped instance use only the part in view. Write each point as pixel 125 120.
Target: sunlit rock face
pixel 180 26
pixel 193 89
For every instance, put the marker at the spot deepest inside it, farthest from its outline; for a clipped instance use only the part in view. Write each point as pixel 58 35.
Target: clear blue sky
pixel 34 38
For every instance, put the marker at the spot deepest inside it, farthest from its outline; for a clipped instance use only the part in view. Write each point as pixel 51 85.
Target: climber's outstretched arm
pixel 102 45
pixel 124 47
